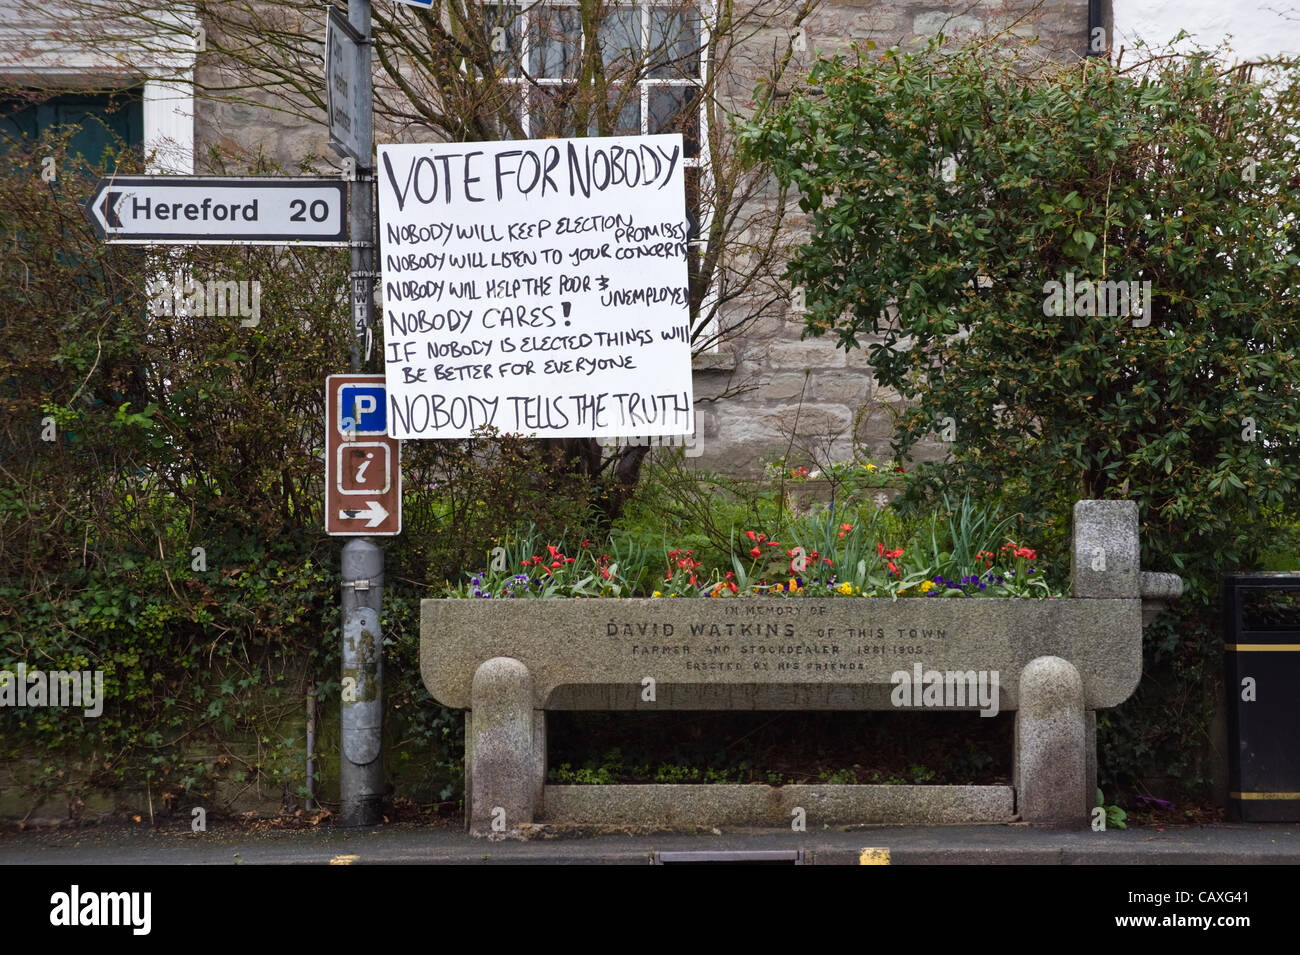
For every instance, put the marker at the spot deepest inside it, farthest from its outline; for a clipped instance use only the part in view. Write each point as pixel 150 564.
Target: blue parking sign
pixel 363 409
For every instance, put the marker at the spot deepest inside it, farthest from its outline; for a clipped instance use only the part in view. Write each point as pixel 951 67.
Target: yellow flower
pixel 872 467
pixel 846 588
pixel 927 586
pixel 793 586
pixel 656 594
pixel 777 588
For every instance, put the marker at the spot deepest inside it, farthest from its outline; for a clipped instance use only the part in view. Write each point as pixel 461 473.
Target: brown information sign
pixel 363 473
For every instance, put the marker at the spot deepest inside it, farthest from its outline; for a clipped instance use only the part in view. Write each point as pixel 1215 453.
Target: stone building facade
pixel 764 394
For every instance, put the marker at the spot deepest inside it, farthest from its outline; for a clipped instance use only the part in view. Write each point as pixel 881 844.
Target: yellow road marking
pixel 1264 795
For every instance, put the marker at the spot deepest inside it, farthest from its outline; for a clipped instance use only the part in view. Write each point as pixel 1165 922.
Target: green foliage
pixel 1115 816
pixel 567 775
pixel 1084 169
pixel 838 777
pixel 949 186
pixel 969 764
pixel 177 429
pixel 465 497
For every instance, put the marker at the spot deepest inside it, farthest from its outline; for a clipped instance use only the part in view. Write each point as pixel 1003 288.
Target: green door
pixel 100 121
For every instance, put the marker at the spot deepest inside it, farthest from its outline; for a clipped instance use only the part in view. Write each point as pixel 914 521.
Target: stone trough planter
pixel 1054 662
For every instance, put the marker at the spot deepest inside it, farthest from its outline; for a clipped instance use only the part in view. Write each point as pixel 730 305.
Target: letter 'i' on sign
pixel 1248 689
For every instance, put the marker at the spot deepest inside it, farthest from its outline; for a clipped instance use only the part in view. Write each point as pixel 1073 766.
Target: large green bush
pixel 947 187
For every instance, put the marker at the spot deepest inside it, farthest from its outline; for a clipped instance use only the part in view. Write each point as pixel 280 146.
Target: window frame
pixel 519 75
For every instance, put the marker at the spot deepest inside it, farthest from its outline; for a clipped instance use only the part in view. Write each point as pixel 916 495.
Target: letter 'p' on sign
pixel 362 408
pixel 363 475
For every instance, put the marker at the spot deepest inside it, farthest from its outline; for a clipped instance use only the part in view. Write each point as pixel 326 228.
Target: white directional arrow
pixel 374 511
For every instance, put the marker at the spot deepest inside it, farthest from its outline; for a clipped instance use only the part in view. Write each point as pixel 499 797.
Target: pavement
pixel 1232 844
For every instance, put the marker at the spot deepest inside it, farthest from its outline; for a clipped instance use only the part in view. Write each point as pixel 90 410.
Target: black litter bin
pixel 1261 627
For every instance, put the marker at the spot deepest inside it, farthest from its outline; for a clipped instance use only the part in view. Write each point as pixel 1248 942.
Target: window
pixel 650 59
pixel 650 64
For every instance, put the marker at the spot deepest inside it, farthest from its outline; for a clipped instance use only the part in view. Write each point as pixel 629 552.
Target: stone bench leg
pixel 1051 745
pixel 539 761
pixel 501 780
pixel 1090 771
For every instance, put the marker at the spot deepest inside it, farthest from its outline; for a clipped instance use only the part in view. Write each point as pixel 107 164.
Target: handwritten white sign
pixel 539 287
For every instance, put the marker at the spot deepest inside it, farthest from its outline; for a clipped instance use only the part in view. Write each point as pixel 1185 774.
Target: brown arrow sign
pixel 363 473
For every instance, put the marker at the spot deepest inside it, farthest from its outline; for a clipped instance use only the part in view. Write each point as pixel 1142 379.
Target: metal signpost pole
pixel 361 763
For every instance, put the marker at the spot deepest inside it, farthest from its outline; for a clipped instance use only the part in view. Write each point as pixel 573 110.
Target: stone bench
pixel 1054 662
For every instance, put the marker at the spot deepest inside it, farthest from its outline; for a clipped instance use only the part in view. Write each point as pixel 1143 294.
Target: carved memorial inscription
pixel 791 639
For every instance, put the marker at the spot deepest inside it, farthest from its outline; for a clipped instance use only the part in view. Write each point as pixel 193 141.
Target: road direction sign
pixel 363 473
pixel 422 4
pixel 347 89
pixel 220 210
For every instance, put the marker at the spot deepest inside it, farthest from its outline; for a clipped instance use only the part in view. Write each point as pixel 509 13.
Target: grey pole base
pixel 361 762
pixel 360 806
